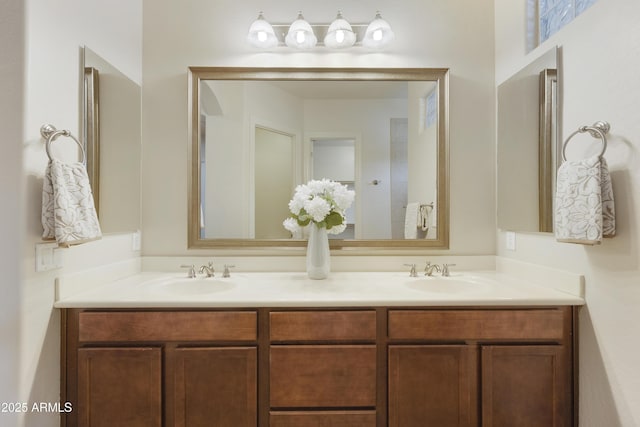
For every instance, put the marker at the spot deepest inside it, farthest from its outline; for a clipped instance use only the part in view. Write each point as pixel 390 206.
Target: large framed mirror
pixel 110 126
pixel 257 133
pixel 529 145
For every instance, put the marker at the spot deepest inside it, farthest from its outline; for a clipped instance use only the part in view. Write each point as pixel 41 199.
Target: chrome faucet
pixel 428 270
pixel 412 272
pixel 226 272
pixel 445 269
pixel 208 269
pixel 192 270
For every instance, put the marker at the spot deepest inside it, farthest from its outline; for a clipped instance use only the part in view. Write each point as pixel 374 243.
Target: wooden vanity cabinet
pixel 503 367
pixel 323 368
pixel 160 368
pixel 320 367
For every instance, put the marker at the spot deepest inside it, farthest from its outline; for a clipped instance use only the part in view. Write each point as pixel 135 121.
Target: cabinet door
pixel 212 387
pixel 119 387
pixel 432 385
pixel 525 386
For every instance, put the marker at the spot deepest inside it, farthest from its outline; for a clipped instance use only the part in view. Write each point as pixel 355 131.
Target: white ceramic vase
pixel 318 255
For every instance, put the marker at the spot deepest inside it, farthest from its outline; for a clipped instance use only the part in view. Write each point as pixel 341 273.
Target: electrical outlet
pixel 136 241
pixel 510 240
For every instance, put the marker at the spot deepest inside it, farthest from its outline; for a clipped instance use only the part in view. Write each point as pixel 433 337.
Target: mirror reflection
pixel 111 134
pixel 257 135
pixel 528 147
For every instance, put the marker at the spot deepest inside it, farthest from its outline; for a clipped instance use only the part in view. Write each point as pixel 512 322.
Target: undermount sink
pixel 450 285
pixel 186 286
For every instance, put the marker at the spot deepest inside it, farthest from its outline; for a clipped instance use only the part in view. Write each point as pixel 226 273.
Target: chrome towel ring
pixel 597 130
pixel 50 134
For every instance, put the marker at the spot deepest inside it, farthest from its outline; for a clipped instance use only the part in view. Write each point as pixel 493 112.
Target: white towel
pixel 424 217
pixel 411 221
pixel 584 207
pixel 68 212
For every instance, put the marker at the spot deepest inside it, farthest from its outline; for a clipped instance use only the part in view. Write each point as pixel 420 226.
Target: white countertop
pixel 295 289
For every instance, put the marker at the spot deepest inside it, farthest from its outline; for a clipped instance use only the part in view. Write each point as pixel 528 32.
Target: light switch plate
pixel 47 257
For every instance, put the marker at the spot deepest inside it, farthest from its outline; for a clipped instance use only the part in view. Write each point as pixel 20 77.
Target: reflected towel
pixel 584 207
pixel 411 221
pixel 68 212
pixel 424 217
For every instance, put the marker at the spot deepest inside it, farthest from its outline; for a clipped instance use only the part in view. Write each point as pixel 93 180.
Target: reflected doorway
pixel 273 182
pixel 335 159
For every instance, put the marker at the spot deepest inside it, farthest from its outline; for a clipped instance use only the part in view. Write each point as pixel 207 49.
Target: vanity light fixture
pixel 339 34
pixel 378 34
pixel 300 35
pixel 261 34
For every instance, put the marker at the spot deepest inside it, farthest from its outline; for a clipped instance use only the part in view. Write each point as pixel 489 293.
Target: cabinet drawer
pixel 322 325
pixel 167 326
pixel 323 376
pixel 323 419
pixel 534 324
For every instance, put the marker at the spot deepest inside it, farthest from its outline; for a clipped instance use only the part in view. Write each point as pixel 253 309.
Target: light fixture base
pixel 320 30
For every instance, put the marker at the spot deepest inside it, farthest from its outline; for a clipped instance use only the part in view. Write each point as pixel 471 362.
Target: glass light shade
pixel 378 34
pixel 300 35
pixel 340 34
pixel 261 34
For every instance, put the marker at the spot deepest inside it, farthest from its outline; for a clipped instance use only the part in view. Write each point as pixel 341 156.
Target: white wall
pixel 600 60
pixel 55 32
pixel 429 33
pixel 239 108
pixel 11 190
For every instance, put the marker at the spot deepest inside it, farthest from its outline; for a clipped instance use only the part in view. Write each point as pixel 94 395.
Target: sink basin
pixel 450 285
pixel 186 286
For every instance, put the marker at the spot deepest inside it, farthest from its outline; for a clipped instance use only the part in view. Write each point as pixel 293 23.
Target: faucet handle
pixel 445 269
pixel 208 269
pixel 412 272
pixel 428 269
pixel 226 272
pixel 192 270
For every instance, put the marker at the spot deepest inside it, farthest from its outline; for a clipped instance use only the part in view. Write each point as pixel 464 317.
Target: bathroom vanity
pixel 283 363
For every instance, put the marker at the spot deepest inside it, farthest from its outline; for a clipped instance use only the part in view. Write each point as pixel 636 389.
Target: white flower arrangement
pixel 322 202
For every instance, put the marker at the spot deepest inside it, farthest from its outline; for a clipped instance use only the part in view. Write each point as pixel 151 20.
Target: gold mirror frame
pixel 438 75
pixel 91 130
pixel 549 148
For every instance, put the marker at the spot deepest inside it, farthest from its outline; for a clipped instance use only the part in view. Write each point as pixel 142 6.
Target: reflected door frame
pixel 250 163
pixel 307 172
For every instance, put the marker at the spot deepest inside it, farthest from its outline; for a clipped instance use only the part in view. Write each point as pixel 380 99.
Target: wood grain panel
pixel 527 386
pixel 323 325
pixel 212 387
pixel 323 376
pixel 168 326
pixel 323 419
pixel 433 385
pixel 541 324
pixel 119 387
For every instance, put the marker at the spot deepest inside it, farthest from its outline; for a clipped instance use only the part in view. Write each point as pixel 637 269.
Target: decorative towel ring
pixel 50 133
pixel 597 130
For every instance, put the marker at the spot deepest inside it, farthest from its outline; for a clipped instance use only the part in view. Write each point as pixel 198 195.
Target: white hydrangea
pixel 343 198
pixel 291 225
pixel 337 229
pixel 322 202
pixel 318 208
